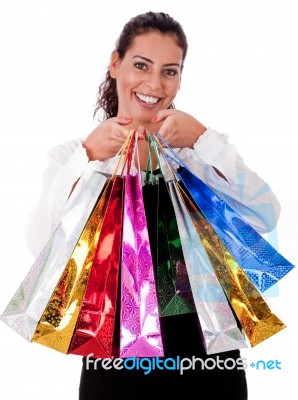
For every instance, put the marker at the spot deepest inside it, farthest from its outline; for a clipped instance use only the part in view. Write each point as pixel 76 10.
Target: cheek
pixel 173 89
pixel 127 79
pixel 125 85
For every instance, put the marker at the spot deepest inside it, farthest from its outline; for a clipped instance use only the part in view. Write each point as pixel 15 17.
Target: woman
pixel 141 84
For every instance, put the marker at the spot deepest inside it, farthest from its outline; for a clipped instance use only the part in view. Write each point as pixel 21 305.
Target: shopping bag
pixel 173 286
pixel 26 306
pixel 57 325
pixel 255 316
pixel 95 328
pixel 220 328
pixel 140 333
pixel 257 257
pixel 58 320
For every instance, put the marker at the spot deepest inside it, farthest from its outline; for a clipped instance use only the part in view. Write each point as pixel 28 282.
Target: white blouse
pixel 243 189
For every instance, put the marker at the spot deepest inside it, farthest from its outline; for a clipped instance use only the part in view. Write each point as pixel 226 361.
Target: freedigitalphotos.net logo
pixel 179 364
pixel 171 363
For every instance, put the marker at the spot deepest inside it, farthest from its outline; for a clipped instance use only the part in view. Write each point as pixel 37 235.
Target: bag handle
pixel 176 158
pixel 149 169
pixel 131 147
pixel 126 152
pixel 159 145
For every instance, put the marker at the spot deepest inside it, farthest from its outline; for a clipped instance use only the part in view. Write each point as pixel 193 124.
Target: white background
pixel 240 78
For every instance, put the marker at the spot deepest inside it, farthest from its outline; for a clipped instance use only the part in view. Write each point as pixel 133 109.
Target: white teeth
pixel 147 99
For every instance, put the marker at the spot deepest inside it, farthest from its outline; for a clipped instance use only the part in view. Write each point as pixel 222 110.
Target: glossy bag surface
pixel 26 307
pixel 174 289
pixel 140 333
pixel 219 326
pixel 255 316
pixel 257 257
pixel 57 323
pixel 95 328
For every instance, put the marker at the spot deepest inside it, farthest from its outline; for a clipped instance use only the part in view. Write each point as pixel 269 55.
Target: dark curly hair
pixel 107 98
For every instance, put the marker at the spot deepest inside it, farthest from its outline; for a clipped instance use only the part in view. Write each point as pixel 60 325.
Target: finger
pixel 124 133
pixel 163 114
pixel 122 120
pixel 141 132
pixel 164 130
pixel 119 134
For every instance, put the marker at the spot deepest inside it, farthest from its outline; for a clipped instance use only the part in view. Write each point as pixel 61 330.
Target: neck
pixel 143 155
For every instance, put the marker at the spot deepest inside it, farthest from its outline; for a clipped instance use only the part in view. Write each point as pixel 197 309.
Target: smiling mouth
pixel 149 100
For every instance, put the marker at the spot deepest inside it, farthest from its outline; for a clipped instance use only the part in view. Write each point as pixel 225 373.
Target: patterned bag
pixel 26 307
pixel 140 334
pixel 257 257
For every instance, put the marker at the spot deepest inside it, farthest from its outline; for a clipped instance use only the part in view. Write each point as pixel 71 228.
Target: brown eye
pixel 170 72
pixel 140 65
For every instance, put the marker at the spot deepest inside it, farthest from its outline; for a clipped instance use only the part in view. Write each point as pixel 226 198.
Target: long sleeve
pixel 243 189
pixel 65 165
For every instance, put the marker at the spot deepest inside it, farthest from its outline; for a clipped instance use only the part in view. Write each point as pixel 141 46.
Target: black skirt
pixel 216 376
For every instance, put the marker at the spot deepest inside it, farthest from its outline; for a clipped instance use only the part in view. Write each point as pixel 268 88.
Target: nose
pixel 153 81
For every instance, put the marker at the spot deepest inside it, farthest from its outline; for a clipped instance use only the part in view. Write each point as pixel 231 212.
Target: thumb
pixel 123 120
pixel 163 114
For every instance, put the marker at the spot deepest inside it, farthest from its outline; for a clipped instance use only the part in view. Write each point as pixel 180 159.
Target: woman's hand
pixel 178 128
pixel 106 140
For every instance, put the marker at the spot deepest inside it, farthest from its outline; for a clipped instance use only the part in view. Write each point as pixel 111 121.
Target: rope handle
pixel 176 158
pixel 159 145
pixel 149 168
pixel 126 151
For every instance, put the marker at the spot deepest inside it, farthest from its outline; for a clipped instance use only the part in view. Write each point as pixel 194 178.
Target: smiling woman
pixel 148 77
pixel 141 84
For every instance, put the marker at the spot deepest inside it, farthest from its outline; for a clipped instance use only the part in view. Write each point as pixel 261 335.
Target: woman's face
pixel 148 77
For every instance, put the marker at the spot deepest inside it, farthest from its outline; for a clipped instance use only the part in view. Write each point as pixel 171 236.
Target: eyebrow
pixel 151 62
